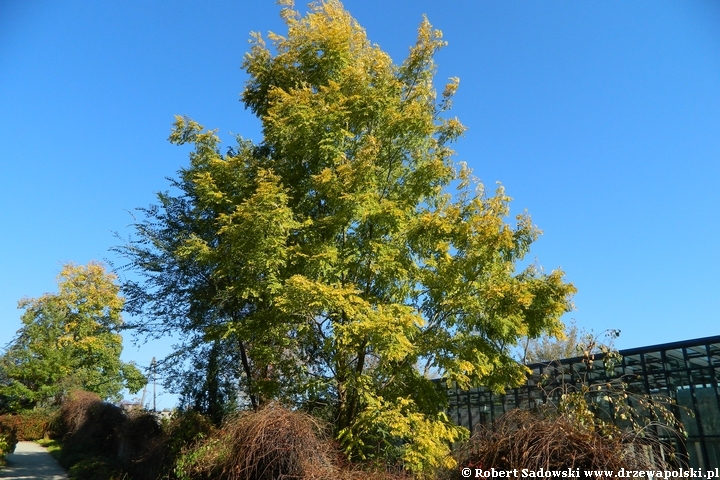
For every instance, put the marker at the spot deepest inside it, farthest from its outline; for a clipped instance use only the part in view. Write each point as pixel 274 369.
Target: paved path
pixel 31 462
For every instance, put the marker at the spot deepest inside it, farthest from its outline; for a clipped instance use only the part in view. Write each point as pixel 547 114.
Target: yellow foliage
pixel 334 253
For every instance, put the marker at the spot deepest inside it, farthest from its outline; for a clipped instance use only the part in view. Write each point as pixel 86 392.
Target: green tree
pixel 207 378
pixel 69 340
pixel 548 348
pixel 573 343
pixel 334 252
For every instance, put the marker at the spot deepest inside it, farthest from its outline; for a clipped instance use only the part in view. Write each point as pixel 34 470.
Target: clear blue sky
pixel 602 119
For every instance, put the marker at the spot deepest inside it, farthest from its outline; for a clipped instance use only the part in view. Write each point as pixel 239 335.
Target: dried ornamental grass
pixel 273 443
pixel 524 439
pixel 74 411
pixel 270 444
pixel 90 425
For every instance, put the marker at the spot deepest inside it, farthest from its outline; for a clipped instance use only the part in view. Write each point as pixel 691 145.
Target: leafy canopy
pixel 346 254
pixel 69 340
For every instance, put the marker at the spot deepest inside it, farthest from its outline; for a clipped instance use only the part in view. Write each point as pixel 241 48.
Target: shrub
pixel 543 439
pixel 8 440
pixel 30 425
pixel 268 444
pixel 100 441
pixel 91 425
pixel 96 468
pixel 186 428
pixel 136 435
pixel 74 411
pixel 161 448
pixel 272 443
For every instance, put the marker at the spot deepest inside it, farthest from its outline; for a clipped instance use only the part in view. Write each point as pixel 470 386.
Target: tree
pixel 548 348
pixel 207 379
pixel 333 252
pixel 69 340
pixel 574 342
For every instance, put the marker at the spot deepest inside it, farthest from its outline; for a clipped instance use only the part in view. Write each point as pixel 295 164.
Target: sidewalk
pixel 31 462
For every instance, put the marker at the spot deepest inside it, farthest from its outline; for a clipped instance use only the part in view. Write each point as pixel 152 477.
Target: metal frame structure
pixel 686 372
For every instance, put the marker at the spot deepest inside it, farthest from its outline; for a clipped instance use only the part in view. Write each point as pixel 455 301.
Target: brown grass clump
pixel 75 409
pixel 90 425
pixel 532 440
pixel 271 444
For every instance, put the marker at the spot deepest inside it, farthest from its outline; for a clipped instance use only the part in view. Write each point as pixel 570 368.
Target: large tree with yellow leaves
pixel 347 255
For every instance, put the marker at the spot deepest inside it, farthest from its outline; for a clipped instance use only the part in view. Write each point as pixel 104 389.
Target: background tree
pixel 207 378
pixel 548 348
pixel 69 340
pixel 574 342
pixel 334 253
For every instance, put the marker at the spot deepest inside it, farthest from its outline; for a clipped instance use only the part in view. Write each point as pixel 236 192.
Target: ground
pixel 30 461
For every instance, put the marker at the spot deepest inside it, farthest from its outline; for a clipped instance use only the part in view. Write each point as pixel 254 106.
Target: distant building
pixel 130 406
pixel 687 372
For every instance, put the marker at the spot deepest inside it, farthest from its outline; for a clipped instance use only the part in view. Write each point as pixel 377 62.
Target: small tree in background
pixel 547 348
pixel 574 342
pixel 69 340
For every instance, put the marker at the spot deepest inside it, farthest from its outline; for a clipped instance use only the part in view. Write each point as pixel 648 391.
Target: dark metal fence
pixel 686 372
